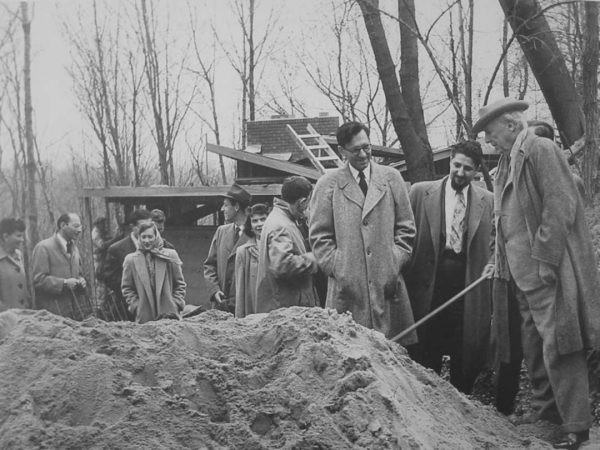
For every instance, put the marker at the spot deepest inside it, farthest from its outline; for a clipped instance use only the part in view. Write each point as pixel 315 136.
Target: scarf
pixel 158 250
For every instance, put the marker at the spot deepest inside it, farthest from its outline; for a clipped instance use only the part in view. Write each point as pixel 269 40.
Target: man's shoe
pixel 572 441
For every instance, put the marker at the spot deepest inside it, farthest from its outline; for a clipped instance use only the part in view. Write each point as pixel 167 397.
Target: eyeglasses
pixel 356 150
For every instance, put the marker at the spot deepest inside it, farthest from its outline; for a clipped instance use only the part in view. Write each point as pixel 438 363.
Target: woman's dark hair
pixel 10 225
pixel 256 209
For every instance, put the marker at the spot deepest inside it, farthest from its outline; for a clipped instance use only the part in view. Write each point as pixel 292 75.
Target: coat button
pixel 369 251
pixel 20 285
pixel 365 222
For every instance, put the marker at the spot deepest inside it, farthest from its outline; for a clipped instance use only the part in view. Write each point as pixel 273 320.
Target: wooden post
pixel 87 206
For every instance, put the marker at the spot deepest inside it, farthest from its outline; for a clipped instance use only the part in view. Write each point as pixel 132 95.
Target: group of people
pixel 389 255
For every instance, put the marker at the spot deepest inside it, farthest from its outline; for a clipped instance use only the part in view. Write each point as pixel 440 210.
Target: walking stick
pixel 440 308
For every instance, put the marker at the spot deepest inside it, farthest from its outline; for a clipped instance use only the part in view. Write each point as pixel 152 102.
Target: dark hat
pixel 158 215
pixel 238 194
pixel 494 110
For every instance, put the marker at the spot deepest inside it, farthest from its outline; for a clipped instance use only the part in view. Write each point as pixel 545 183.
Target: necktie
pixel 362 183
pixel 70 247
pixel 236 234
pixel 458 223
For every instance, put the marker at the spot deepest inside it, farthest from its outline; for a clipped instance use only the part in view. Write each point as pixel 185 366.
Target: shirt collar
pixel 366 171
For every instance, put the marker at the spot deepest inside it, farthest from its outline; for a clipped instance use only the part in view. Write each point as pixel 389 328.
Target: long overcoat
pixel 137 289
pixel 219 266
pixel 246 268
pixel 362 244
pixel 285 266
pixel 427 202
pixel 51 265
pixel 558 233
pixel 13 285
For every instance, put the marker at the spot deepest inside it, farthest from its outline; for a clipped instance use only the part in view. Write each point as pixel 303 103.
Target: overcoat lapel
pixel 160 272
pixel 475 213
pixel 140 265
pixel 431 205
pixel 61 249
pixel 376 190
pixel 350 188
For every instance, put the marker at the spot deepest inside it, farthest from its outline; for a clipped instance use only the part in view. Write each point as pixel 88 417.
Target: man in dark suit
pixel 57 273
pixel 454 236
pixel 113 265
pixel 219 267
pixel 545 253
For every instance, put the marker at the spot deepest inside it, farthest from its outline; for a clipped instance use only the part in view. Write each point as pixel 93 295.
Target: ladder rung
pixel 306 136
pixel 327 158
pixel 318 146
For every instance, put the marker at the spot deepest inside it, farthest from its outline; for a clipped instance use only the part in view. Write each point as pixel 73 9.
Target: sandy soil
pixel 298 379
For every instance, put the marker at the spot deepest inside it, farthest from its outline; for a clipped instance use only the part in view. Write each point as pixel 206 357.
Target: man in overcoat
pixel 57 271
pixel 13 283
pixel 285 266
pixel 362 231
pixel 219 266
pixel 454 220
pixel 544 249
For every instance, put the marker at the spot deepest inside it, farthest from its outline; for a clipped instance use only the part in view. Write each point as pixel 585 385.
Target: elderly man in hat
pixel 543 252
pixel 219 267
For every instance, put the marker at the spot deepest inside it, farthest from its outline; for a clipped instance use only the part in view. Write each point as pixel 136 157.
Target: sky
pixel 60 126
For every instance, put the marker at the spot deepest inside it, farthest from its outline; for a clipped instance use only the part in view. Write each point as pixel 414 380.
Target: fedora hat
pixel 238 194
pixel 494 110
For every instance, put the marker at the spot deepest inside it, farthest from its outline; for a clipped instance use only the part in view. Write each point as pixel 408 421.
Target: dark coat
pixel 362 243
pixel 554 214
pixel 113 265
pixel 427 203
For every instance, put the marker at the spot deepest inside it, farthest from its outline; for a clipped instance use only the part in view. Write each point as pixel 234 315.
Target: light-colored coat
pixel 554 214
pixel 137 289
pixel 51 265
pixel 219 266
pixel 362 244
pixel 427 202
pixel 13 285
pixel 285 267
pixel 246 268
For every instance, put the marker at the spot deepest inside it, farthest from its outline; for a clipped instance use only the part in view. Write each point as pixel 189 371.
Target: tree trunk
pixel 251 64
pixel 548 66
pixel 589 66
pixel 32 226
pixel 505 86
pixel 409 68
pixel 419 158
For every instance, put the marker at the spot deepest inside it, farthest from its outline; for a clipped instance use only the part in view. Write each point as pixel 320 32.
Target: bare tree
pixel 589 65
pixel 164 90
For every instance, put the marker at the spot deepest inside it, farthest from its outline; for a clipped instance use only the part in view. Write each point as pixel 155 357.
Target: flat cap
pixel 494 110
pixel 238 194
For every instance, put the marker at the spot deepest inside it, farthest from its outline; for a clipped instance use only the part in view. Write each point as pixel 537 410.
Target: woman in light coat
pixel 246 262
pixel 152 282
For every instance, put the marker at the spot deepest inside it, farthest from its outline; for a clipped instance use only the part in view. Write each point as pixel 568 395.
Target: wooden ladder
pixel 317 149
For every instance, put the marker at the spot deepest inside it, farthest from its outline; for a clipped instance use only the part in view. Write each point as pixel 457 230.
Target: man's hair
pixel 10 225
pixel 471 149
pixel 158 215
pixel 137 215
pixel 64 218
pixel 295 188
pixel 147 226
pixel 348 130
pixel 542 129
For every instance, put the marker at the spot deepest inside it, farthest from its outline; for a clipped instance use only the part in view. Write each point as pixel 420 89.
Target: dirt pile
pixel 300 378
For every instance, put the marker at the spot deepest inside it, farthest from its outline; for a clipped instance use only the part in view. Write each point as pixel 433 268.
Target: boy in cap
pixel 219 267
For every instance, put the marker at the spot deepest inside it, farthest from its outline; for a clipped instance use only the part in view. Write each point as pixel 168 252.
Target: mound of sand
pixel 297 378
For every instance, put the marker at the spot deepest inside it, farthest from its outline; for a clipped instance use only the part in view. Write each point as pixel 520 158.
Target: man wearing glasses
pixel 361 232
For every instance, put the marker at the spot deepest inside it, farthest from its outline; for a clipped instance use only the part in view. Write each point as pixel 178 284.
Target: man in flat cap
pixel 543 252
pixel 219 267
